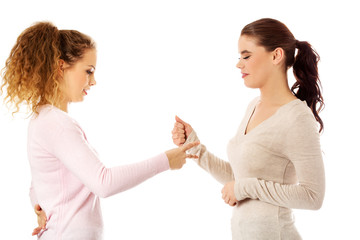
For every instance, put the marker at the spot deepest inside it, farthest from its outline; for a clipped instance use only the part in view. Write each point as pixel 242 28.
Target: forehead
pixel 89 57
pixel 247 43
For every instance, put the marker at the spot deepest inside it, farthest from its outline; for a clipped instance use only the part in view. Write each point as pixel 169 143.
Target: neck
pixel 276 91
pixel 64 106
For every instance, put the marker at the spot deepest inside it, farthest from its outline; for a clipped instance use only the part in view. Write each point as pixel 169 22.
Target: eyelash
pixel 247 57
pixel 89 72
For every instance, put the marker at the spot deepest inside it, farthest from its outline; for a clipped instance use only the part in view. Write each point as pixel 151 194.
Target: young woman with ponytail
pixel 46 70
pixel 275 161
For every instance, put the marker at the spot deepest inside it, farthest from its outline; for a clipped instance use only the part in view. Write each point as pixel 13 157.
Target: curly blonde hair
pixel 32 71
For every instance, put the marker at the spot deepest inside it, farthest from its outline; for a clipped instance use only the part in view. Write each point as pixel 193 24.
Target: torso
pixel 262 112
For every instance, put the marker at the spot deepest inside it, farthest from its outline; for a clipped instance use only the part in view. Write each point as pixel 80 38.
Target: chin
pixel 81 99
pixel 250 85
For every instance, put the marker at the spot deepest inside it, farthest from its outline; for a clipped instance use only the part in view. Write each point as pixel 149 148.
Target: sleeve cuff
pixel 245 188
pixel 193 138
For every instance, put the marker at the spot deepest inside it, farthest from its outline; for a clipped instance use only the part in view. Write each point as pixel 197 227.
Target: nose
pixel 92 81
pixel 240 64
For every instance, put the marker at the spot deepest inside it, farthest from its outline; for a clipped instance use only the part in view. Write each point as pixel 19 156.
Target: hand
pixel 41 218
pixel 181 131
pixel 177 156
pixel 228 194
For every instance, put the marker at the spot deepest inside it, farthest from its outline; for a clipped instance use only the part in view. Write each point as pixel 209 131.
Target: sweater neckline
pixel 260 125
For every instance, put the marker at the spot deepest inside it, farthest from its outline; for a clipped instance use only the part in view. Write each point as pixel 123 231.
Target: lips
pixel 85 92
pixel 244 75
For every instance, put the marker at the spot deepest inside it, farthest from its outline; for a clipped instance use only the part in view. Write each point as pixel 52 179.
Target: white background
pixel 161 58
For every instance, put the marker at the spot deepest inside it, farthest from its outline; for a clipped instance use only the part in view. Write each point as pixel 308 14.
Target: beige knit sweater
pixel 276 167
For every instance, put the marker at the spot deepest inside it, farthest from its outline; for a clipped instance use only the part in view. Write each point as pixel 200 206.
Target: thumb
pixel 179 120
pixel 190 145
pixel 37 207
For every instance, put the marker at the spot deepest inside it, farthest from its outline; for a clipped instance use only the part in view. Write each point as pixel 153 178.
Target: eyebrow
pixel 245 51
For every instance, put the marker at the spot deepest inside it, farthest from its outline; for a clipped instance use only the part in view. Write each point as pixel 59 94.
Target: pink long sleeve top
pixel 68 178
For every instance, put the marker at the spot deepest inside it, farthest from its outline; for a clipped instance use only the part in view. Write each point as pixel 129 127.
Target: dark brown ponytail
pixel 308 86
pixel 271 34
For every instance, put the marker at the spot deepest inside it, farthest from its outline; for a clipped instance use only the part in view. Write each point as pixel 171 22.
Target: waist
pixel 75 220
pixel 253 219
pixel 251 210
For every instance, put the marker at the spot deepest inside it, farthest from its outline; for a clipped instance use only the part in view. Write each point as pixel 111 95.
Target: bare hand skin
pixel 177 156
pixel 228 194
pixel 41 218
pixel 181 131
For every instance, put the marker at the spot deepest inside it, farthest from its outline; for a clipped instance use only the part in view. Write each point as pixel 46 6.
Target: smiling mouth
pixel 85 92
pixel 244 75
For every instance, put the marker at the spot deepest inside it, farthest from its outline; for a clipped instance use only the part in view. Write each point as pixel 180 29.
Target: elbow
pixel 102 191
pixel 316 205
pixel 102 187
pixel 316 201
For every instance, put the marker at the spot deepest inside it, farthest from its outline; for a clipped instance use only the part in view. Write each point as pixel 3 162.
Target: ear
pixel 278 56
pixel 62 66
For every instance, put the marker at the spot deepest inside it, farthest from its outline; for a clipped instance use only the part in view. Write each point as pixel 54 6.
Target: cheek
pixel 258 72
pixel 261 68
pixel 80 81
pixel 76 84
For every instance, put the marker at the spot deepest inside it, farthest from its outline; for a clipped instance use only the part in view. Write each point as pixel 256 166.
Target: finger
pixel 190 145
pixel 191 156
pixel 178 130
pixel 179 120
pixel 36 231
pixel 178 135
pixel 179 125
pixel 232 204
pixel 178 140
pixel 37 207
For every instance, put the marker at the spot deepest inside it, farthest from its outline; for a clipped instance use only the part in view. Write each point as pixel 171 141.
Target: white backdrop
pixel 161 58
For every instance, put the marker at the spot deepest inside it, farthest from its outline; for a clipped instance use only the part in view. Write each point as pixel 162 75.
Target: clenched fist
pixel 181 131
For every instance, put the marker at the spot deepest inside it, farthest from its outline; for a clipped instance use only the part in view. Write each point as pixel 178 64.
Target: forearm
pixel 110 181
pixel 299 196
pixel 218 168
pixel 73 150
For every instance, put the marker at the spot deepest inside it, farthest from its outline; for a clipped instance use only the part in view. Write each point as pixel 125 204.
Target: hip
pixel 256 220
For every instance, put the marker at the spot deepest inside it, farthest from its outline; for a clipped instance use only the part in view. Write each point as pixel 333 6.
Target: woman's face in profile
pixel 78 78
pixel 254 62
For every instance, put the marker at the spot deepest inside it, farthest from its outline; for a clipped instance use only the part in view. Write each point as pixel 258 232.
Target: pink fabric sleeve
pixel 32 194
pixel 70 146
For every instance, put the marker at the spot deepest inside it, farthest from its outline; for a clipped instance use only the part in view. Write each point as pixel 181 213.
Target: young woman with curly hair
pixel 275 161
pixel 46 70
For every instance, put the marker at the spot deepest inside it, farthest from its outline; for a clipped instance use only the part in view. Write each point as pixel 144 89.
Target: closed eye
pixel 91 71
pixel 247 57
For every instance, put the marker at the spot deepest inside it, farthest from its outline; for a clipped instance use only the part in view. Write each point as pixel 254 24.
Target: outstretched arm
pixel 67 142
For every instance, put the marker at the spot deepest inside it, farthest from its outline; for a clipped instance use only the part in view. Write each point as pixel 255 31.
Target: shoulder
pixel 297 115
pixel 299 109
pixel 52 119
